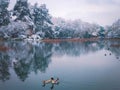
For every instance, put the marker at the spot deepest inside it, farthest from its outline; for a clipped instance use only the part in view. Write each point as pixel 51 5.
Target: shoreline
pixel 71 39
pixel 78 39
pixel 57 40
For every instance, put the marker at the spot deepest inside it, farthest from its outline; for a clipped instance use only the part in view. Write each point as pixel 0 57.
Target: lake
pixel 78 65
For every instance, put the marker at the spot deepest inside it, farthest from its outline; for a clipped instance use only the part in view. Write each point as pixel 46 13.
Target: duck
pixel 52 80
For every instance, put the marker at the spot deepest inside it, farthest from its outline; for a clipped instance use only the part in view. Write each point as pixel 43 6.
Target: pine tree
pixel 101 32
pixel 4 13
pixel 21 10
pixel 42 20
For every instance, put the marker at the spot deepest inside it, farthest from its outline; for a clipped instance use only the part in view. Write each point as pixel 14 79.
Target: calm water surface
pixel 78 65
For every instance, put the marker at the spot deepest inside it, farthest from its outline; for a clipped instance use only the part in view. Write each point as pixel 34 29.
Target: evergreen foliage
pixel 21 10
pixel 33 20
pixel 42 20
pixel 4 13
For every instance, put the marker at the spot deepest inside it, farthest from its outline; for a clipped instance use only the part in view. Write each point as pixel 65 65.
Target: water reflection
pixel 4 70
pixel 25 57
pixel 77 48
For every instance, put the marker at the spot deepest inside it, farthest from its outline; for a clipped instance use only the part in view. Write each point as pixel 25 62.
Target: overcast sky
pixel 103 12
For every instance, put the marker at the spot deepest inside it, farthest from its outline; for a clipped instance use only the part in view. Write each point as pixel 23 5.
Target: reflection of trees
pixel 77 48
pixel 32 58
pixel 4 67
pixel 42 57
pixel 22 69
pixel 21 56
pixel 25 57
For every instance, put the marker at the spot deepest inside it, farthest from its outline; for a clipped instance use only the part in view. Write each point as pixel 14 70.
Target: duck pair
pixel 52 80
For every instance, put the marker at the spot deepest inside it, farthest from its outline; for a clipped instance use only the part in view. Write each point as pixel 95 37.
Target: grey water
pixel 78 65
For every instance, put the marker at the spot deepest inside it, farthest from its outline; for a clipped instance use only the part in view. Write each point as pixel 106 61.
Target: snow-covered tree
pixel 75 29
pixel 101 32
pixel 21 10
pixel 26 20
pixel 42 20
pixel 4 13
pixel 113 31
pixel 21 14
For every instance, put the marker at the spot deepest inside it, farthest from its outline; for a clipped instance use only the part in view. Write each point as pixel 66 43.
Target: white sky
pixel 103 12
